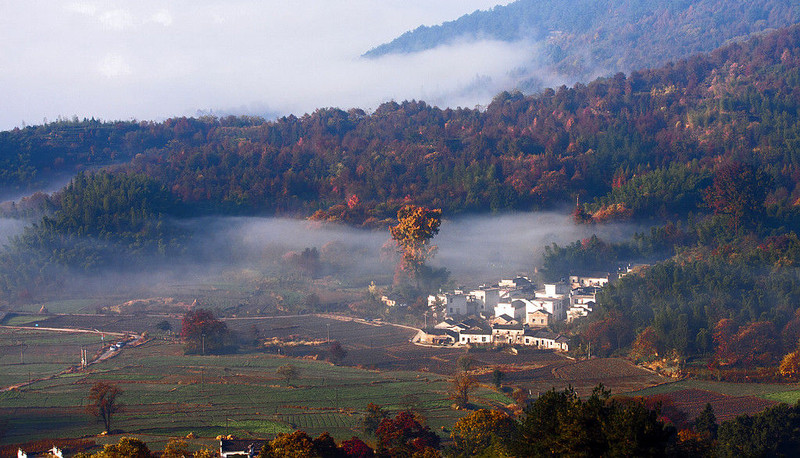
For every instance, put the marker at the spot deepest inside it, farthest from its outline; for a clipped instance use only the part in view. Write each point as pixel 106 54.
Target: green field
pixel 30 354
pixel 167 394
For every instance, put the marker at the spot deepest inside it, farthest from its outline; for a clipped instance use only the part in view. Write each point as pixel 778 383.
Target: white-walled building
pixel 545 339
pixel 599 279
pixel 476 336
pixel 507 333
pixel 486 299
pixel 515 308
pixel 455 304
pixel 554 299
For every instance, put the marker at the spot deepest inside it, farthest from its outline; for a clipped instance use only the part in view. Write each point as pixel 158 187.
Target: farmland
pixel 169 394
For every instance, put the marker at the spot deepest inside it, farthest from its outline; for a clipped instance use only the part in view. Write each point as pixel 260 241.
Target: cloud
pixel 163 17
pixel 85 8
pixel 170 58
pixel 117 19
pixel 113 65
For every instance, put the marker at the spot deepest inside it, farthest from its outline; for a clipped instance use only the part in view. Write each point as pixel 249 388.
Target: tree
pixel 466 363
pixel 497 378
pixel 772 432
pixel 300 445
pixel 336 352
pixel 460 388
pixel 373 418
pixel 415 228
pixel 479 430
pixel 404 435
pixel 203 333
pixel 288 371
pixel 561 424
pixel 176 448
pixel 103 402
pixel 646 345
pixel 738 191
pixel 790 365
pixel 356 448
pixel 205 453
pixel 706 423
pixel 289 445
pixel 127 447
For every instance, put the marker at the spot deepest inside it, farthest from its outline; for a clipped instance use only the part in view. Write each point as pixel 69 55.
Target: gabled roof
pixel 508 327
pixel 476 331
pixel 471 322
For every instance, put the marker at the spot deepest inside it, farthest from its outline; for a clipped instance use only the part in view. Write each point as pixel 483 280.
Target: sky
pixel 150 60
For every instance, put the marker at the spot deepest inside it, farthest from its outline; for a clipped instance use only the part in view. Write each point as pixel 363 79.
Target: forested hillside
pixel 582 38
pixel 630 146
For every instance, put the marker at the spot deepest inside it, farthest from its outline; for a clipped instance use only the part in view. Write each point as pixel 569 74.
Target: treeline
pixel 628 146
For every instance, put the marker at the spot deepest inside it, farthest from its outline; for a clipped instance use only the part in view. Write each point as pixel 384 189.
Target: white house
pixel 507 333
pixel 515 308
pixel 455 304
pixel 486 299
pixel 577 311
pixel 546 340
pixel 554 299
pixel 436 336
pixel 584 295
pixel 600 279
pixel 476 336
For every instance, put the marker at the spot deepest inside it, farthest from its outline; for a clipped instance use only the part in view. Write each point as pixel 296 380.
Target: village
pixel 513 312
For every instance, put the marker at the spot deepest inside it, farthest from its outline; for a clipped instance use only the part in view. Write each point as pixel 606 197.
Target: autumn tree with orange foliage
pixel 482 429
pixel 415 228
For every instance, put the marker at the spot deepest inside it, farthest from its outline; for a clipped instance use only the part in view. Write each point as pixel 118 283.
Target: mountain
pixel 581 39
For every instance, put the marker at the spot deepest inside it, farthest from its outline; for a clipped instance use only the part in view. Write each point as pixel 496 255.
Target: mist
pixel 9 228
pixel 153 60
pixel 246 250
pixel 473 248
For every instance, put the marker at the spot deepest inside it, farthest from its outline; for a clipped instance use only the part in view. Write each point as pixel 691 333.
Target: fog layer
pixel 152 60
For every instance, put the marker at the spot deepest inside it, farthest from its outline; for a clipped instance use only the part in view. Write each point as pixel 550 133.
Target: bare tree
pixel 460 388
pixel 103 402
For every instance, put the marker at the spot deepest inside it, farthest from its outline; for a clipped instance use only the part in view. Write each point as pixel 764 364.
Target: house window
pixel 484 338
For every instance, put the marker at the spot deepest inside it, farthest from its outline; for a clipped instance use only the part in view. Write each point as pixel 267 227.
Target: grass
pixel 781 392
pixel 32 354
pixel 167 394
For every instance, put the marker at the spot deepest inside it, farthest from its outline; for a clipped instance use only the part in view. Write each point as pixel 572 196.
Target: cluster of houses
pixel 513 312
